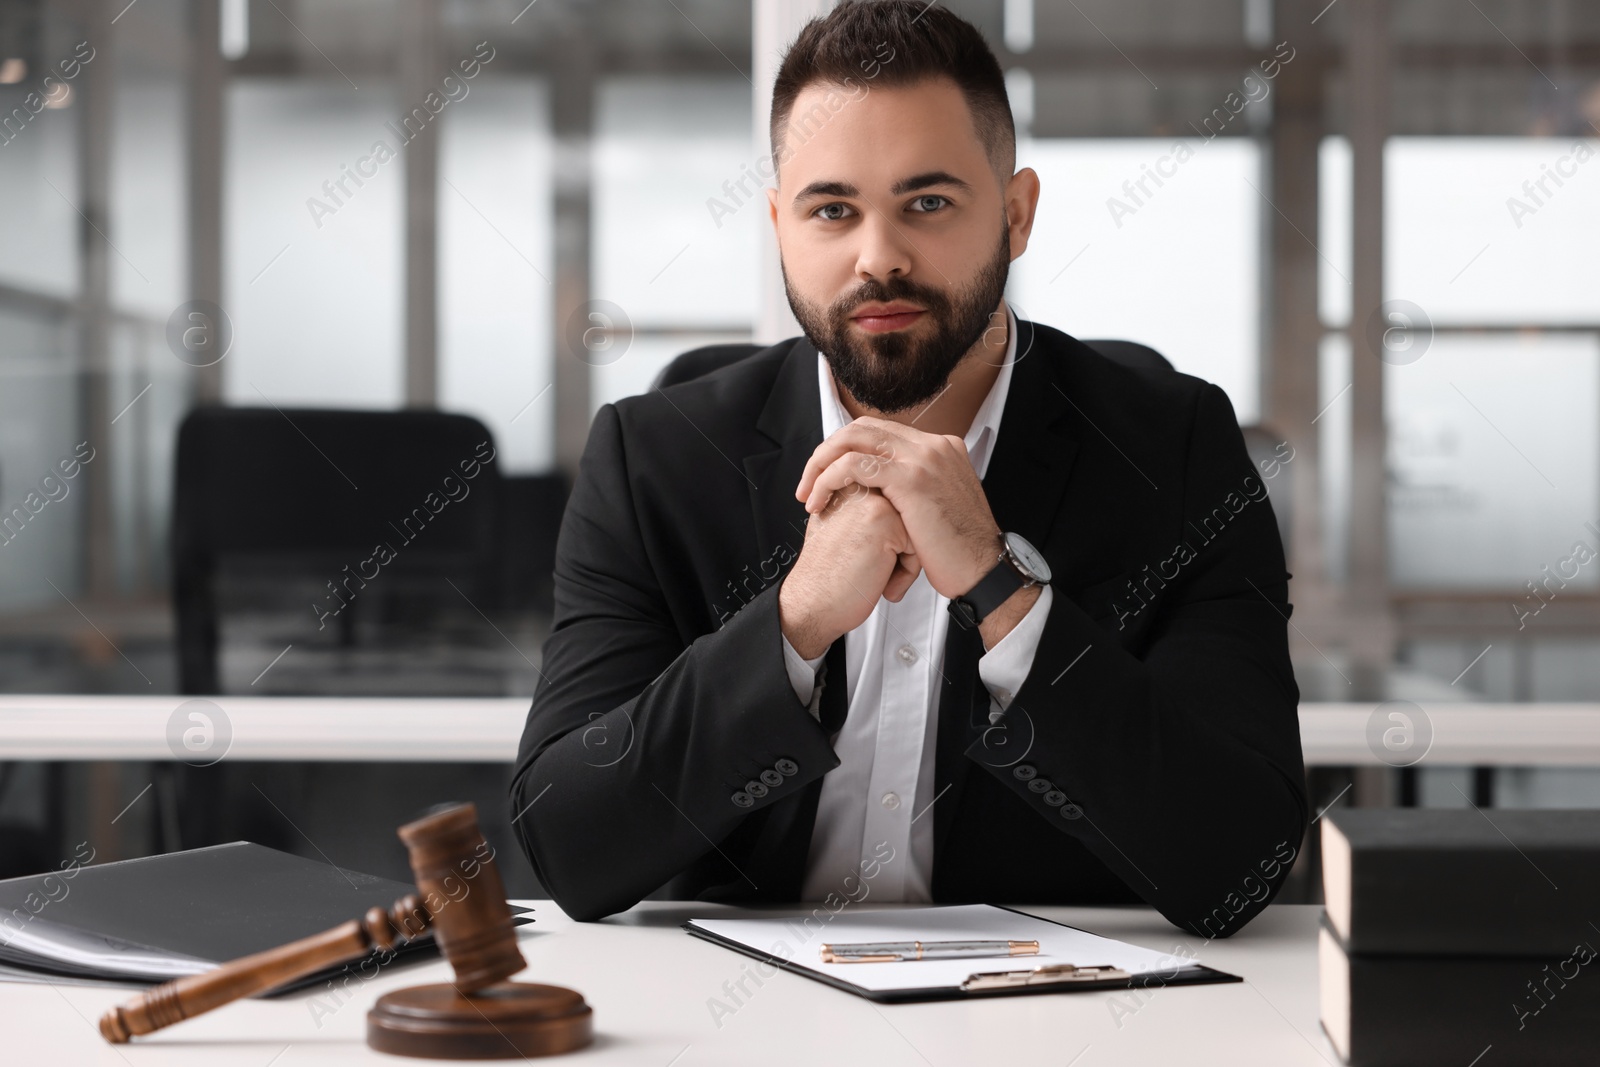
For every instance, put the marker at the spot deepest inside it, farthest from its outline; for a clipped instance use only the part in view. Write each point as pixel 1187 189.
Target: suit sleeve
pixel 1181 765
pixel 640 743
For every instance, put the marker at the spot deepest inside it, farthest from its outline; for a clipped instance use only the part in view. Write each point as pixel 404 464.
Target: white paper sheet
pixel 799 940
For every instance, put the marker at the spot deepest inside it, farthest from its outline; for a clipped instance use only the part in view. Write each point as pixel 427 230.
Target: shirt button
pixel 907 654
pixel 891 800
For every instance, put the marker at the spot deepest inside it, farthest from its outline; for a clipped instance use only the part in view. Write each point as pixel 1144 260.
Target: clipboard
pixel 799 963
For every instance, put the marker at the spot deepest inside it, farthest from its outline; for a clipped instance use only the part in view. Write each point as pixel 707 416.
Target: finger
pixel 836 445
pixel 851 475
pixel 852 468
pixel 862 435
pixel 838 500
pixel 906 570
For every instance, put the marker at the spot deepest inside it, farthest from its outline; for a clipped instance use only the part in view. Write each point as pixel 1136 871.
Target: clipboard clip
pixel 1055 974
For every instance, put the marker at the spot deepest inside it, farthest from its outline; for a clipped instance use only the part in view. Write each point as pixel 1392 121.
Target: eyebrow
pixel 826 188
pixel 923 181
pixel 900 188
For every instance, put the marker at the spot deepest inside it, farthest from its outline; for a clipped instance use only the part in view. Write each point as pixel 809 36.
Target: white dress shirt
pixel 882 790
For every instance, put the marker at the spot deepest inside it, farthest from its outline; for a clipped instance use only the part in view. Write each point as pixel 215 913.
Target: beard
pixel 896 371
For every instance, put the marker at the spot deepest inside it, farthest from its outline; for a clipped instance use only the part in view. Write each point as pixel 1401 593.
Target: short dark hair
pixel 890 43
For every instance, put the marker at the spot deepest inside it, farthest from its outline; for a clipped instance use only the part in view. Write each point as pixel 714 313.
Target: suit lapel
pixel 1025 482
pixel 792 420
pixel 1034 453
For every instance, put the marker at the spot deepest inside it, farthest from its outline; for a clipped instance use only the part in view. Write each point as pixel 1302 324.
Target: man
pixel 985 673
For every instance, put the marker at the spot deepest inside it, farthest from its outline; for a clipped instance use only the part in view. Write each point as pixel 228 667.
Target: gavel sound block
pixel 478 1016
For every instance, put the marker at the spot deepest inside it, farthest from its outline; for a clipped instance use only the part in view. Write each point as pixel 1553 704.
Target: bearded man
pixel 892 610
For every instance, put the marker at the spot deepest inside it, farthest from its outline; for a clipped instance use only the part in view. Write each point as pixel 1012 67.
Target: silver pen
pixel 906 951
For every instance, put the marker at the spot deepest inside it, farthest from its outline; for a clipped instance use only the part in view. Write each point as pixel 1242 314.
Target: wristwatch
pixel 1019 565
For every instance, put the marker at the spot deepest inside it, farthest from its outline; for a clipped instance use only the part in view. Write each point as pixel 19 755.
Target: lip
pixel 880 318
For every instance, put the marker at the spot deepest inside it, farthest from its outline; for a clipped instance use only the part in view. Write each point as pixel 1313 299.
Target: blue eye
pixel 829 207
pixel 938 202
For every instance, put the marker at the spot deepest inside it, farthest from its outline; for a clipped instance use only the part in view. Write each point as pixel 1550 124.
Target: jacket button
pixel 1040 785
pixel 772 778
pixel 1055 798
pixel 755 789
pixel 786 767
pixel 742 799
pixel 1072 811
pixel 1022 772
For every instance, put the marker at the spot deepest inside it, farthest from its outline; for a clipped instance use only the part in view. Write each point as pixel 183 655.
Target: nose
pixel 884 249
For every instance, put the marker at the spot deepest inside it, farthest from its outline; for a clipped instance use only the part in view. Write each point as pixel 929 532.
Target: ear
pixel 1021 204
pixel 772 213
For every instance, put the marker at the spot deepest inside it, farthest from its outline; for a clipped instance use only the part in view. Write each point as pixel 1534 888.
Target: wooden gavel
pixel 470 1018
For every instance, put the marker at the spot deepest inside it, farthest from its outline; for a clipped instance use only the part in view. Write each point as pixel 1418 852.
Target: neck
pixel 952 410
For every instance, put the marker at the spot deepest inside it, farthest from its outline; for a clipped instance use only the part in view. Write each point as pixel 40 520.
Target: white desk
pixel 477 729
pixel 431 729
pixel 650 985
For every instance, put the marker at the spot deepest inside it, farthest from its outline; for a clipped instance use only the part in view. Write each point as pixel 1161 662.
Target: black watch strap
pixel 992 590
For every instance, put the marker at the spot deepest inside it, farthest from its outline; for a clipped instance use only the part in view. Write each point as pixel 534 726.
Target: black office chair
pixel 698 361
pixel 314 492
pixel 530 521
pixel 269 505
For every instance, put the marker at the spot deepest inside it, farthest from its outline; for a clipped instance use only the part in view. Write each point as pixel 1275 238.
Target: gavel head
pixel 461 888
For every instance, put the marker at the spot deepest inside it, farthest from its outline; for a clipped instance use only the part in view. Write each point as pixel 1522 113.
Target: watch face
pixel 1025 554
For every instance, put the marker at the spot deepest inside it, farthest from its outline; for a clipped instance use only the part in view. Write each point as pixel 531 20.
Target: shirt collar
pixel 980 436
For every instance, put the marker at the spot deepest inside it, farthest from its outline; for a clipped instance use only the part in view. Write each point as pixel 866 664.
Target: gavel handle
pixel 184 998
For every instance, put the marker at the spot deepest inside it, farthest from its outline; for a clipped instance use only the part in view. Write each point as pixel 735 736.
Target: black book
pixel 162 917
pixel 1460 881
pixel 1457 1011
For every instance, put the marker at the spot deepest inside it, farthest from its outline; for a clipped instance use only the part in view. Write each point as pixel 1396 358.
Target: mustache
pixel 878 292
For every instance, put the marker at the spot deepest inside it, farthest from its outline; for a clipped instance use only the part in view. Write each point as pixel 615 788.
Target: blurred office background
pixel 1371 221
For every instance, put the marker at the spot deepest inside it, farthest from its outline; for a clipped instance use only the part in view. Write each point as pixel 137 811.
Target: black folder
pixel 151 919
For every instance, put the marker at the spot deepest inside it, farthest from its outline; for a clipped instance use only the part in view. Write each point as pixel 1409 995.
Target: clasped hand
pixel 887 502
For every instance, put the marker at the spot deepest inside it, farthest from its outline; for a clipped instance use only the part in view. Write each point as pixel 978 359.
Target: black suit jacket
pixel 1160 701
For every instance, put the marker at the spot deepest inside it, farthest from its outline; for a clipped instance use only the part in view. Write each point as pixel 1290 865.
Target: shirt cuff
pixel 1005 666
pixel 803 676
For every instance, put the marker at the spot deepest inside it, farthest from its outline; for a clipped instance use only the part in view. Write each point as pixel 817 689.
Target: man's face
pixel 893 235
